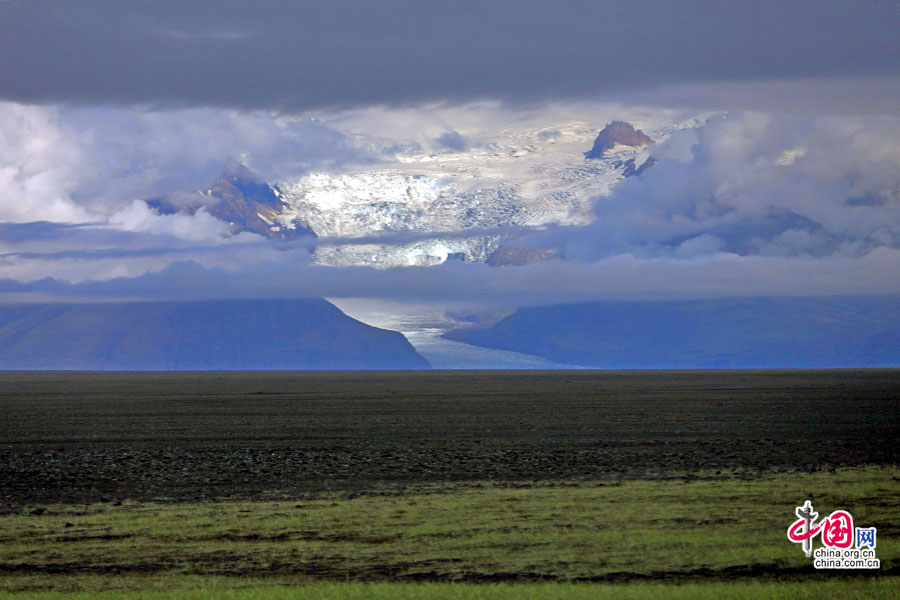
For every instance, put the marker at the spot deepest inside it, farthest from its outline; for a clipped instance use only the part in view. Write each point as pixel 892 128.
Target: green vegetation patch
pixel 705 530
pixel 857 589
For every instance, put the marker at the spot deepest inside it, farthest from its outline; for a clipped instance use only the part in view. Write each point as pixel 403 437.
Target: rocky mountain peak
pixel 617 133
pixel 243 200
pixel 238 180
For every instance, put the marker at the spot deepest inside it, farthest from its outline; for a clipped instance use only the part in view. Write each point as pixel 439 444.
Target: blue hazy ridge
pixel 220 334
pixel 718 333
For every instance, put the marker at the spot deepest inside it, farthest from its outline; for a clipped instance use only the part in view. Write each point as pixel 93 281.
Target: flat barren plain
pixel 83 437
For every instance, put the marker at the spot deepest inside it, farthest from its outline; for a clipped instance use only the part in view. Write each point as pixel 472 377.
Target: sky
pixel 789 185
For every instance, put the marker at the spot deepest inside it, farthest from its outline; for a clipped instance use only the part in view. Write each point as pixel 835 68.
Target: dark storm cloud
pixel 311 54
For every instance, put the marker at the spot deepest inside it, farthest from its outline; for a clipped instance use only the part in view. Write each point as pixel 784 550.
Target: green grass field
pixel 678 538
pixel 870 589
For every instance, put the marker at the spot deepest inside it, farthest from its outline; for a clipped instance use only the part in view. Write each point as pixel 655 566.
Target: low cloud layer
pixel 624 276
pixel 303 55
pixel 749 203
pixel 753 184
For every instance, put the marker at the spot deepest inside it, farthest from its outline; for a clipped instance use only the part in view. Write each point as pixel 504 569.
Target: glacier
pixel 530 177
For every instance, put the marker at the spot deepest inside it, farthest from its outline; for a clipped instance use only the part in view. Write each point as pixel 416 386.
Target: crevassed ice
pixel 328 191
pixel 524 179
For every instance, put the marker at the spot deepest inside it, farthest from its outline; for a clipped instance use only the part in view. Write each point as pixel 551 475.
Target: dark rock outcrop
pixel 630 169
pixel 617 132
pixel 205 335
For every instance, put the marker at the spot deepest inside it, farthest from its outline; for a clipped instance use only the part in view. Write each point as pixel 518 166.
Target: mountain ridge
pixel 297 334
pixel 823 332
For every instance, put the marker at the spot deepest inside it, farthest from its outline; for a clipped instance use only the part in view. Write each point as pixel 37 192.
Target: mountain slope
pixel 720 333
pixel 221 334
pixel 242 200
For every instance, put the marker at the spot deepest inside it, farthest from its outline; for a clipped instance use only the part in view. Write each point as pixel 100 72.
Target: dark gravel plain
pixel 82 437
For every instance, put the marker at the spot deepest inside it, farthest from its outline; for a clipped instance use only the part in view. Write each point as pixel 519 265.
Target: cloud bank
pixel 73 164
pixel 73 181
pixel 619 277
pixel 749 203
pixel 753 184
pixel 304 55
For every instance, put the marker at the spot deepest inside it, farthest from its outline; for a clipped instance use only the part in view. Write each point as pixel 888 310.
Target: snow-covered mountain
pixel 239 198
pixel 462 201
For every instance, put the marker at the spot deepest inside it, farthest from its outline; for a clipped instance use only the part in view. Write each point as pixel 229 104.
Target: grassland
pixel 718 529
pixel 441 485
pixel 872 589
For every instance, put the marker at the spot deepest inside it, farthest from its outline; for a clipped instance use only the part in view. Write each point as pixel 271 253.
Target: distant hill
pixel 617 133
pixel 721 333
pixel 221 334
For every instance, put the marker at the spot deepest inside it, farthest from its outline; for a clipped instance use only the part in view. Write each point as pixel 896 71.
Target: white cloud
pixel 728 187
pixel 73 164
pixel 200 226
pixel 40 166
pixel 70 165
